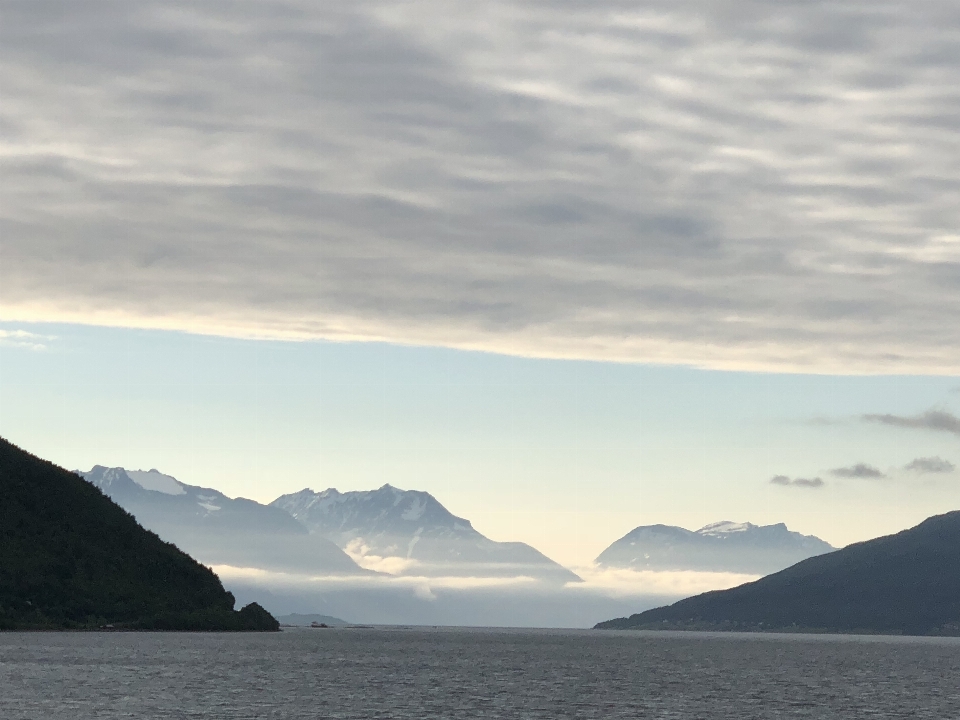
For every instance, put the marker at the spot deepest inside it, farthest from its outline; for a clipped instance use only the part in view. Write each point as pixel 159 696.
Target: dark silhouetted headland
pixel 70 558
pixel 908 583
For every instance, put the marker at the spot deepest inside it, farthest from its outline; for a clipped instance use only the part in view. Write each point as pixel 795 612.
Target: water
pixel 365 674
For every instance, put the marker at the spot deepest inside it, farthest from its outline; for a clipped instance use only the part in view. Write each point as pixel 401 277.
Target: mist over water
pixel 417 674
pixel 473 601
pixel 418 602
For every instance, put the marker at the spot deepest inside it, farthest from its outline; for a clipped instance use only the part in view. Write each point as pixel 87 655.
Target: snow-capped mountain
pixel 718 547
pixel 216 529
pixel 413 526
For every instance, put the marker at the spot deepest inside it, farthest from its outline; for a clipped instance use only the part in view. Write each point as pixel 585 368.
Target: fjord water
pixel 465 673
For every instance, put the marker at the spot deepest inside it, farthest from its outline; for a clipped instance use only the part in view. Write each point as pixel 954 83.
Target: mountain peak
pixel 157 481
pixel 724 546
pixel 113 479
pixel 414 526
pixel 387 502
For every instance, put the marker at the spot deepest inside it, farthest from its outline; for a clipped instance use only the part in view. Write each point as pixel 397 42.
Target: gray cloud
pixel 937 420
pixel 751 185
pixel 797 482
pixel 860 470
pixel 930 465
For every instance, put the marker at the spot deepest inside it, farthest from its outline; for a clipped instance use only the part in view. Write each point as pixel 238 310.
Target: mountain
pixel 219 530
pixel 408 525
pixel 906 583
pixel 719 547
pixel 71 558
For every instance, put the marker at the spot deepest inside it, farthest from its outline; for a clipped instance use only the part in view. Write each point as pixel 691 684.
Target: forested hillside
pixel 71 558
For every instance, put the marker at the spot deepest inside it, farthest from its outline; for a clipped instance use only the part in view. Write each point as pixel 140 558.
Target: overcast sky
pixel 709 221
pixel 752 185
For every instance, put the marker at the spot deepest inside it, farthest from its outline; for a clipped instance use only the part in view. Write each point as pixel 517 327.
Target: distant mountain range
pixel 719 547
pixel 310 532
pixel 72 559
pixel 906 583
pixel 412 525
pixel 219 530
pixel 408 532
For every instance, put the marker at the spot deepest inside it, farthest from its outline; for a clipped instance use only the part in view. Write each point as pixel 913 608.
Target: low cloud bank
pixel 441 571
pixel 388 565
pixel 622 582
pixel 449 582
pixel 478 601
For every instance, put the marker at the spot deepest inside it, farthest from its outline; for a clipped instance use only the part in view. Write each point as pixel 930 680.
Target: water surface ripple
pixel 365 674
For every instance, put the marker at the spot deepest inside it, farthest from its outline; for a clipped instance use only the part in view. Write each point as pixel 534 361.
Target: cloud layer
pixel 860 470
pixel 786 481
pixel 930 465
pixel 936 420
pixel 750 185
pixel 24 339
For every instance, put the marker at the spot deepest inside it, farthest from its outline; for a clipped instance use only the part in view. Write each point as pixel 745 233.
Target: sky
pixel 570 266
pixel 567 455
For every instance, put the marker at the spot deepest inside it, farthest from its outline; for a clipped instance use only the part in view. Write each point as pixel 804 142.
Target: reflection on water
pixel 456 673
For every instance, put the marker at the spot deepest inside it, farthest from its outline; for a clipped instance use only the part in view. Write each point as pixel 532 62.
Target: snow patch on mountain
pixel 157 481
pixel 725 527
pixel 415 511
pixel 413 541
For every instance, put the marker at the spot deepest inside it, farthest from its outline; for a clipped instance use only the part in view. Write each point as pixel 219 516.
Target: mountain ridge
pixel 414 526
pixel 220 530
pixel 906 583
pixel 723 546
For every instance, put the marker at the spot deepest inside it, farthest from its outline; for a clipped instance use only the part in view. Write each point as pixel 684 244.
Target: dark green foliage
pixel 254 617
pixel 71 558
pixel 908 583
